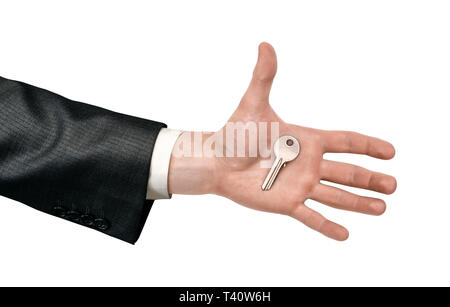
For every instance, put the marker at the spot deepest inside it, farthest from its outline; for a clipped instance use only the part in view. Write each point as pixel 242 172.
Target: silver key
pixel 286 149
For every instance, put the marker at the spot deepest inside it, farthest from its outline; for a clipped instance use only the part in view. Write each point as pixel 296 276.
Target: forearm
pixel 191 172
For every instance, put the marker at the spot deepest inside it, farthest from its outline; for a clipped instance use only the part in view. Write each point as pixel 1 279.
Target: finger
pixel 344 200
pixel 355 176
pixel 263 75
pixel 352 142
pixel 316 221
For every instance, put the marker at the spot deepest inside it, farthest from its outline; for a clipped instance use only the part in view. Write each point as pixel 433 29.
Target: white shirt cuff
pixel 159 166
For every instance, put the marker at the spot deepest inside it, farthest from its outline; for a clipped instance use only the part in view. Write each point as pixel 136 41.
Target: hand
pixel 240 178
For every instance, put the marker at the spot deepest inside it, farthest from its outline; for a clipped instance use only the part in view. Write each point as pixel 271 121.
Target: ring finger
pixel 341 199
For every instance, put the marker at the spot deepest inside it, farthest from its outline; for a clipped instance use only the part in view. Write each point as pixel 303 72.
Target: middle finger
pixel 355 176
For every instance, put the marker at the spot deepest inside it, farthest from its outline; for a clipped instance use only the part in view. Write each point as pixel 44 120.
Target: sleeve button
pixel 73 216
pixel 87 220
pixel 101 224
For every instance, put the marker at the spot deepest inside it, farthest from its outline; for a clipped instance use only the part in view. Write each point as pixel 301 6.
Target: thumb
pixel 263 74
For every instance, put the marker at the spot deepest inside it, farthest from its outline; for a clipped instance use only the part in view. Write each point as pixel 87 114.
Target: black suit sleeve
pixel 74 160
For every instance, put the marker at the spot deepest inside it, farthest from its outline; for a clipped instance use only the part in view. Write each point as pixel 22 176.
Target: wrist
pixel 191 171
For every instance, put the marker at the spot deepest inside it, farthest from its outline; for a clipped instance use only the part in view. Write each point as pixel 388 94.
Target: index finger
pixel 353 142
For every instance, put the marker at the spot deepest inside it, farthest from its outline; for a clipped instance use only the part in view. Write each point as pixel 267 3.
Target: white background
pixel 378 67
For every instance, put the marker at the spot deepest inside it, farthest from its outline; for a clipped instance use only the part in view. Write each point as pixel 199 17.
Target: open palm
pixel 301 180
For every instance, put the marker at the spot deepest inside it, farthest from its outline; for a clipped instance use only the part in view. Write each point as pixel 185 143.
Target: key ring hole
pixel 289 142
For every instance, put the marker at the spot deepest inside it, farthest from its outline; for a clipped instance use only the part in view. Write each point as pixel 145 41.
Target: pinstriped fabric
pixel 75 157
